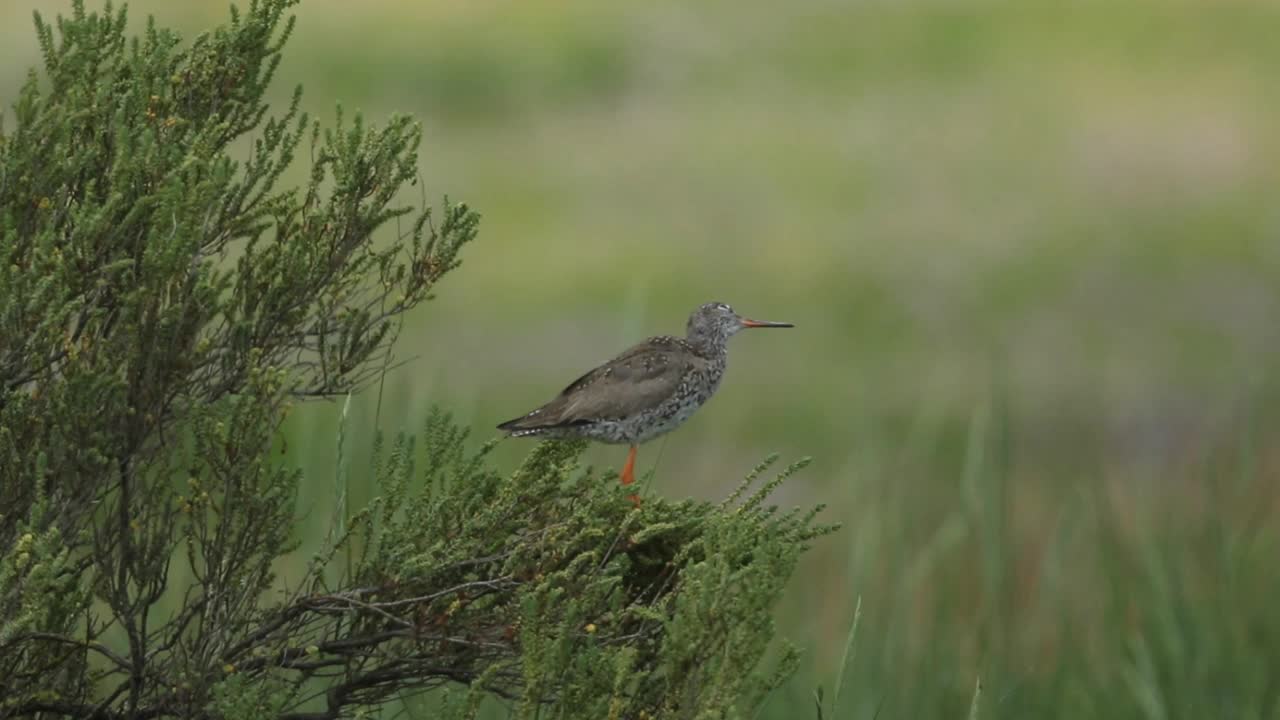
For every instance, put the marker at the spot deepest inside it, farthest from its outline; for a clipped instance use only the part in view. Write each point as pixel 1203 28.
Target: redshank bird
pixel 650 389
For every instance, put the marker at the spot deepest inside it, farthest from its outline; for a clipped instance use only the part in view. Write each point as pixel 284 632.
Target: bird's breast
pixel 697 386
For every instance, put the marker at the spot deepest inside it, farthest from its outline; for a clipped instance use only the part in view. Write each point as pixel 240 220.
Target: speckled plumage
pixel 650 389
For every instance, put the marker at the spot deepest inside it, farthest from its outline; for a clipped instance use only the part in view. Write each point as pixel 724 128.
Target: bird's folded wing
pixel 634 382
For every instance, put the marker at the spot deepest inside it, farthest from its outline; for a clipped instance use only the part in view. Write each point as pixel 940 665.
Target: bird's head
pixel 715 322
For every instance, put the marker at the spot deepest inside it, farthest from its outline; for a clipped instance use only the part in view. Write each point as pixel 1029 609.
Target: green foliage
pixel 162 305
pixel 43 597
pixel 245 698
pixel 546 587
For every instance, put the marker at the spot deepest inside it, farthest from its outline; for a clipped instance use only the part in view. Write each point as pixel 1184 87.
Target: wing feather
pixel 635 381
pixel 639 379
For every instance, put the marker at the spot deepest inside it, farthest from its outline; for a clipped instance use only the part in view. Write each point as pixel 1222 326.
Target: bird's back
pixel 643 384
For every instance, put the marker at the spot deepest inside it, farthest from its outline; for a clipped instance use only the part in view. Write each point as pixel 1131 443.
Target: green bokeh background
pixel 1030 249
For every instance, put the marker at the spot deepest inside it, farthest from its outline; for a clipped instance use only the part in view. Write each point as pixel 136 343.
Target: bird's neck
pixel 708 347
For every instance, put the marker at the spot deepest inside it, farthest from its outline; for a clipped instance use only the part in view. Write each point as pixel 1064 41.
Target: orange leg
pixel 629 475
pixel 629 470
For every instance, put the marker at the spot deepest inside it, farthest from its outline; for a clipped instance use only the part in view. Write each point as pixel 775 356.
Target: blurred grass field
pixel 1031 251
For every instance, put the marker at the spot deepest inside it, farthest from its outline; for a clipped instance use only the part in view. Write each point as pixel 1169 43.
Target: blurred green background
pixel 1031 249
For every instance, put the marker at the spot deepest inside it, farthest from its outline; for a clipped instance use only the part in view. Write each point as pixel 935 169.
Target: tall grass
pixel 1116 593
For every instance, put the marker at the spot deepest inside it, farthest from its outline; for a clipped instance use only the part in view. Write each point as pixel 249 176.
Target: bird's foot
pixel 635 500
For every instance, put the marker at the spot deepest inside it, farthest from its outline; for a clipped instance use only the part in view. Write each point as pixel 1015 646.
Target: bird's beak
pixel 762 323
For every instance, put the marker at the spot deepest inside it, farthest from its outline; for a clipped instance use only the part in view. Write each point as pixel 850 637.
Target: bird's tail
pixel 537 422
pixel 530 424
